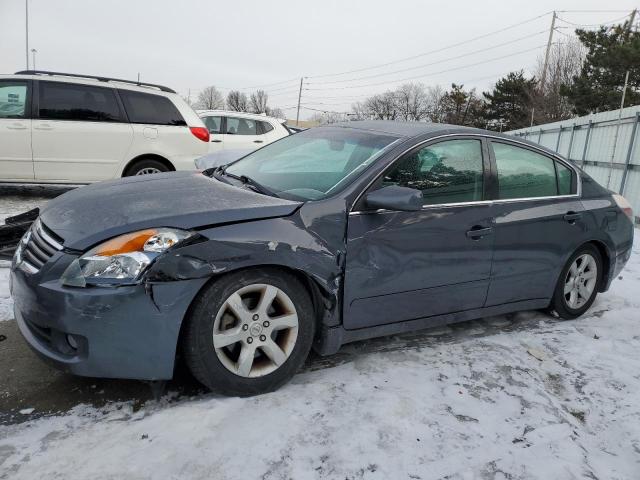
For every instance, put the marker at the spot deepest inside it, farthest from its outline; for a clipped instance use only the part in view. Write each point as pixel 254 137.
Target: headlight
pixel 122 259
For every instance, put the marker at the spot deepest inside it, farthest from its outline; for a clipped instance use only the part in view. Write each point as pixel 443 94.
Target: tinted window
pixel 148 108
pixel 13 99
pixel 564 179
pixel 447 172
pixel 266 127
pixel 523 173
pixel 213 124
pixel 241 126
pixel 66 101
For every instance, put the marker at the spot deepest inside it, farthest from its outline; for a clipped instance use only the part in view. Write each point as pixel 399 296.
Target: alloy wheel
pixel 255 330
pixel 580 281
pixel 148 171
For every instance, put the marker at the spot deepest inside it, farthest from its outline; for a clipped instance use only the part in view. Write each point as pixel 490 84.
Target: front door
pixel 408 265
pixel 16 163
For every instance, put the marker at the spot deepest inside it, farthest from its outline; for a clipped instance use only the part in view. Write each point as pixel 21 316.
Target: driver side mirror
pixel 394 197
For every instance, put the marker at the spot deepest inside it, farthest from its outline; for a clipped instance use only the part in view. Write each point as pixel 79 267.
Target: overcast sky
pixel 245 43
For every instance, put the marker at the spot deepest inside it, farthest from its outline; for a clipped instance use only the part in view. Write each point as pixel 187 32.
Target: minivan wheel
pixel 146 166
pixel 578 284
pixel 249 332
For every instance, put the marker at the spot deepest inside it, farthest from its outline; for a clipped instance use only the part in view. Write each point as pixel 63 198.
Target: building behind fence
pixel 603 146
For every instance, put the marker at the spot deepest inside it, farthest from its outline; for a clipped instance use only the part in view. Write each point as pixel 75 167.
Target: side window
pixel 213 124
pixel 13 99
pixel 152 109
pixel 565 179
pixel 446 172
pixel 241 126
pixel 523 173
pixel 68 101
pixel 265 127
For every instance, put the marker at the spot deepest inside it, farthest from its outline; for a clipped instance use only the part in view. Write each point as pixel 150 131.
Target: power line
pixel 430 74
pixel 615 20
pixel 500 45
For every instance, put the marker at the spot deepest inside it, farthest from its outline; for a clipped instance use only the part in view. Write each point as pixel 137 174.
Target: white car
pixel 65 128
pixel 238 130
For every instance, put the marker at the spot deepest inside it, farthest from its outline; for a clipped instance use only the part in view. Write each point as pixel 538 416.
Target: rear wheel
pixel 146 166
pixel 578 283
pixel 248 333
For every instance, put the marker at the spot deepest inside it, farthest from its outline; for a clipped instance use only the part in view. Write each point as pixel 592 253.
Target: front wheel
pixel 249 332
pixel 578 284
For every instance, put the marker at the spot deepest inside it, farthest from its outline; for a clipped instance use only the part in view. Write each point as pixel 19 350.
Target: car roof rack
pixel 102 79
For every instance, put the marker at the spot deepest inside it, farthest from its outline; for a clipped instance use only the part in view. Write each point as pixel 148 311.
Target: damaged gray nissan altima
pixel 325 237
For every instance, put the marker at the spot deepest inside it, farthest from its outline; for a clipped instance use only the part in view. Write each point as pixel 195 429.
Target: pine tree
pixel 508 105
pixel 610 53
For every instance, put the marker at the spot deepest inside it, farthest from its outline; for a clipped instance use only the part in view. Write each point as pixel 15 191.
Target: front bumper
pixel 109 332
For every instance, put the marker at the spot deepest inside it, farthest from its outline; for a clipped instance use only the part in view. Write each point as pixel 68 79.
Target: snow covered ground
pixel 522 396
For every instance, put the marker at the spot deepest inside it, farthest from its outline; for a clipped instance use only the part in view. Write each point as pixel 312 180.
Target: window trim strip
pixel 578 193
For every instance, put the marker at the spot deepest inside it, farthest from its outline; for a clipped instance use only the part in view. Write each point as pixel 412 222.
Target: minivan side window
pixel 523 173
pixel 241 126
pixel 150 109
pixel 213 124
pixel 265 127
pixel 13 99
pixel 68 101
pixel 446 172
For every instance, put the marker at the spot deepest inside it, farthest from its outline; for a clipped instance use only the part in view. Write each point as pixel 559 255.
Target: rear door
pixel 538 222
pixel 80 133
pixel 242 133
pixel 16 162
pixel 408 265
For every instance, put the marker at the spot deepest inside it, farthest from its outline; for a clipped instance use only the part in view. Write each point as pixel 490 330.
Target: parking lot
pixel 517 396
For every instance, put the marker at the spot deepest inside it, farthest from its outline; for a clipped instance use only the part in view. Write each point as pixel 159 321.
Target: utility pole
pixel 546 55
pixel 624 93
pixel 299 97
pixel 26 23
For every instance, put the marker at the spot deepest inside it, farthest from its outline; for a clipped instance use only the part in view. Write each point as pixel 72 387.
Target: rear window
pixel 67 101
pixel 266 127
pixel 148 108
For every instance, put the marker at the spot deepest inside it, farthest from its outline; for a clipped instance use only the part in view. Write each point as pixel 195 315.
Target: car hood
pixel 188 200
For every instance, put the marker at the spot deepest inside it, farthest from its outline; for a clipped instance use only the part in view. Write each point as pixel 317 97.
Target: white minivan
pixel 65 128
pixel 231 130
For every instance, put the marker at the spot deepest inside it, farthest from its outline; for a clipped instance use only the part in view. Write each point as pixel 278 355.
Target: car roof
pixel 254 116
pixel 427 129
pixel 87 81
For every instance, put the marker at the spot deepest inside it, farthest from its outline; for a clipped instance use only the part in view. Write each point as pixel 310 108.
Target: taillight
pixel 624 205
pixel 200 133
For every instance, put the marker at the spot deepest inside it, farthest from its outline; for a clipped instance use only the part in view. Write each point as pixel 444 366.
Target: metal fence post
pixel 632 142
pixel 558 139
pixel 586 143
pixel 573 130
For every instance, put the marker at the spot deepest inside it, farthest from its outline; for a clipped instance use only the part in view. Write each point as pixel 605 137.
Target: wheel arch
pixel 605 254
pixel 147 156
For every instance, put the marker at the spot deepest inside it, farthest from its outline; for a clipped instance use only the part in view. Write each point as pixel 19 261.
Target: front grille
pixel 40 245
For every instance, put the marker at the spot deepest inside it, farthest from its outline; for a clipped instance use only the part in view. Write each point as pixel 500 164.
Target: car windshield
pixel 312 164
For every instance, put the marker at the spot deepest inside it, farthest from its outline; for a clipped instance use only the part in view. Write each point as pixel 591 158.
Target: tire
pixel 217 317
pixel 562 302
pixel 146 166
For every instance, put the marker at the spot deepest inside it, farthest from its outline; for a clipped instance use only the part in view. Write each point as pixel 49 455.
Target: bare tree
pixel 326 118
pixel 565 62
pixel 275 112
pixel 237 101
pixel 412 102
pixel 436 104
pixel 258 102
pixel 209 99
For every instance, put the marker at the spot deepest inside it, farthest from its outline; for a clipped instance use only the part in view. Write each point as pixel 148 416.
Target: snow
pixel 522 396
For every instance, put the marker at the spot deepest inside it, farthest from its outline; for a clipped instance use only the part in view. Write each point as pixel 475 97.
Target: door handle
pixel 16 126
pixel 571 217
pixel 45 126
pixel 257 141
pixel 477 232
pixel 216 141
